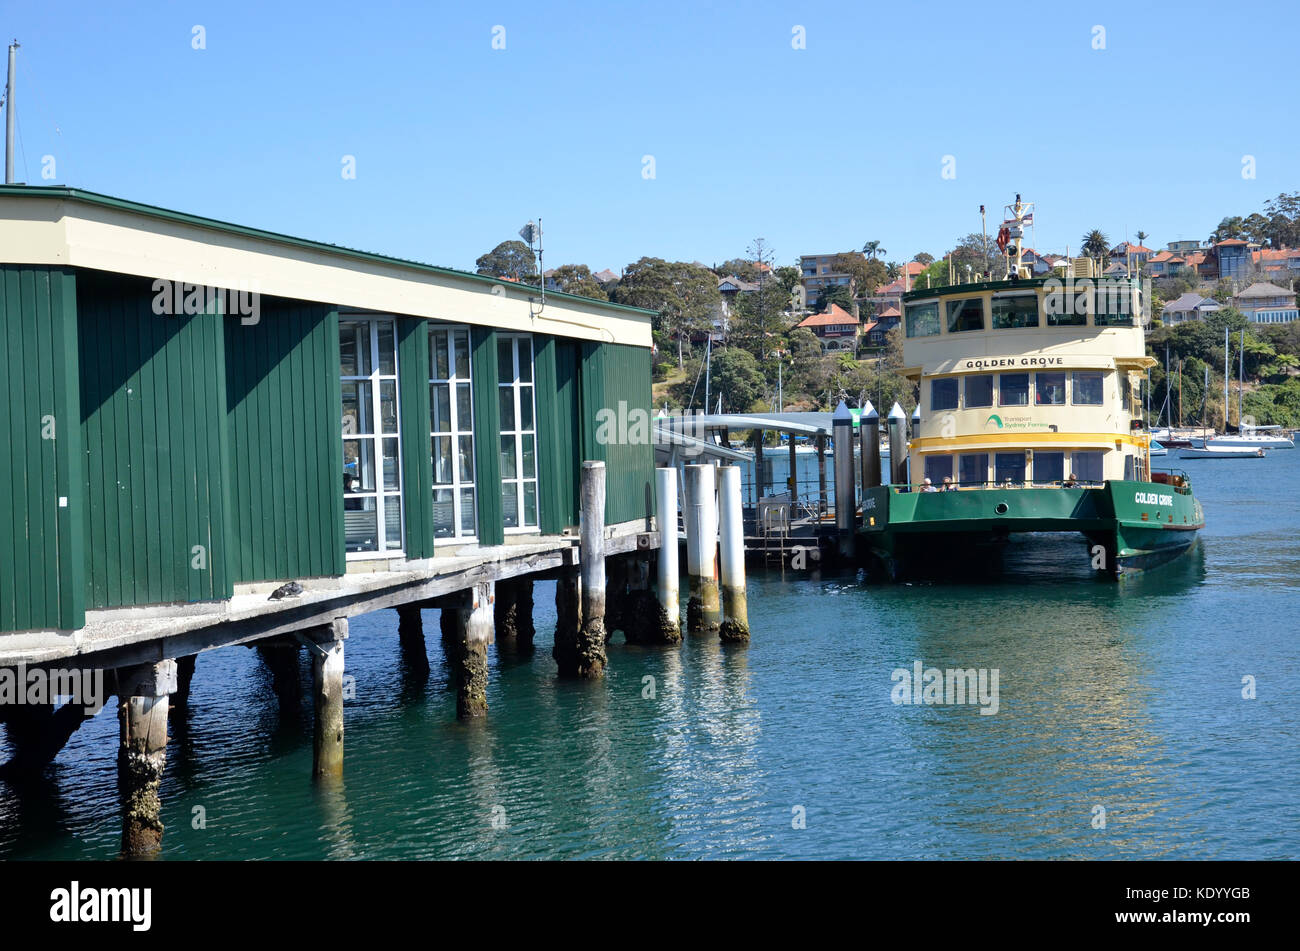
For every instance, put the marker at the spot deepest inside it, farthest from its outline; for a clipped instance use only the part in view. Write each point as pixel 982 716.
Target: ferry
pixel 1031 422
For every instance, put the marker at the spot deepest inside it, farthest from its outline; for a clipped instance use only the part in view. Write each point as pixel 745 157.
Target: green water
pixel 1125 696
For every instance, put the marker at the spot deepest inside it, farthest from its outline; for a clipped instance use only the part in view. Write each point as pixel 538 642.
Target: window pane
pixel 979 391
pixel 510 504
pixel 359 463
pixel 1067 309
pixel 530 504
pixel 388 405
pixel 356 410
pixel 465 454
pixel 387 348
pixel 468 516
pixel 525 359
pixel 525 407
pixel 444 513
pixel 509 470
pixel 530 457
pixel 1086 466
pixel 1049 389
pixel 1013 389
pixel 354 347
pixel 1011 312
pixel 361 525
pixel 507 394
pixel 1088 388
pixel 464 415
pixel 440 406
pixel 938 468
pixel 461 340
pixel 964 315
pixel 943 394
pixel 505 361
pixel 442 471
pixel 393 522
pixel 1049 467
pixel 439 362
pixel 1009 467
pixel 974 468
pixel 392 473
pixel 922 319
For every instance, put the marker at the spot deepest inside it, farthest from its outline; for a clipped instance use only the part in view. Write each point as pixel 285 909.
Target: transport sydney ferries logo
pixel 1021 423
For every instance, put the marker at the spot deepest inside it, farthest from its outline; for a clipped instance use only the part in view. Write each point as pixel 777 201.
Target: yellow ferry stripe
pixel 929 442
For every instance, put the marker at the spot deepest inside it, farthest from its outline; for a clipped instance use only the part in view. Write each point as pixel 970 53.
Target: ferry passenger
pixel 947 484
pixel 928 486
pixel 1071 482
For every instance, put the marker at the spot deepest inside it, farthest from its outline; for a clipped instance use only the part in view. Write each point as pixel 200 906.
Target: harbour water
pixel 1127 697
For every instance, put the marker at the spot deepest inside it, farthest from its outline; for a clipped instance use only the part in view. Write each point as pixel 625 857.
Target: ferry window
pixel 1086 466
pixel 1069 309
pixel 979 391
pixel 1009 467
pixel 943 394
pixel 452 434
pixel 973 468
pixel 1013 389
pixel 1088 388
pixel 1049 467
pixel 923 319
pixel 966 314
pixel 938 468
pixel 1114 306
pixel 1049 389
pixel 1018 311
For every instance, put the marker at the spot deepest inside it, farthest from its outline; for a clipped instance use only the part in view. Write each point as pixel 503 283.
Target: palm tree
pixel 873 249
pixel 1095 244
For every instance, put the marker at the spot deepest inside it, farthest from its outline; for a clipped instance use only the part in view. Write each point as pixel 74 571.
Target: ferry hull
pixel 1130 526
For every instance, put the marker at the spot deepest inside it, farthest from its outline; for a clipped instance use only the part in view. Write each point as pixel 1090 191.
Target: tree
pixel 788 277
pixel 577 279
pixel 872 249
pixel 835 294
pixel 867 273
pixel 740 267
pixel 1095 244
pixel 972 250
pixel 1142 237
pixel 924 258
pixel 685 295
pixel 1228 229
pixel 735 374
pixel 512 260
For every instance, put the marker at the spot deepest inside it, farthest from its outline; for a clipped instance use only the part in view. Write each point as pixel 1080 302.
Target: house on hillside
pixel 1264 303
pixel 1190 306
pixel 837 329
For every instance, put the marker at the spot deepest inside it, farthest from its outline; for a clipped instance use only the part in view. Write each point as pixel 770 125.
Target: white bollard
pixel 669 570
pixel 731 529
pixel 704 609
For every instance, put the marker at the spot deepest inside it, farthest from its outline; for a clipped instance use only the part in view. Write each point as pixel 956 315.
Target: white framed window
pixel 372 452
pixel 451 439
pixel 518 432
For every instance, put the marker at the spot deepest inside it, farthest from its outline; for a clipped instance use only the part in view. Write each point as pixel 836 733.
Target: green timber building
pixel 193 409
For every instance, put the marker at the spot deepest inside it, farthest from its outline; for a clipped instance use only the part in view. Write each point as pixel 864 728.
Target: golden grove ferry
pixel 1030 422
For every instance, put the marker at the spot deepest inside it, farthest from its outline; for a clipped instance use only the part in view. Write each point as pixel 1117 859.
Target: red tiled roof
pixel 890 311
pixel 836 315
pixel 867 327
pixel 1230 241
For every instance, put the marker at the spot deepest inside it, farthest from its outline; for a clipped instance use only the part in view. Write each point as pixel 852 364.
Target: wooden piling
pixel 513 615
pixel 327 697
pixel 668 578
pixel 591 639
pixel 735 627
pixel 469 629
pixel 143 692
pixel 410 637
pixel 281 660
pixel 704 609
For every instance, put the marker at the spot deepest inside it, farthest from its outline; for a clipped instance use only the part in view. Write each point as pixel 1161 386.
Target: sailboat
pixel 1247 437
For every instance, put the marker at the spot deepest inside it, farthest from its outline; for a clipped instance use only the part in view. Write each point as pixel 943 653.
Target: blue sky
pixel 816 149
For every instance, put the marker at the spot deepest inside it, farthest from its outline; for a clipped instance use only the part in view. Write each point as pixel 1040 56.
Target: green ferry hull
pixel 1138 525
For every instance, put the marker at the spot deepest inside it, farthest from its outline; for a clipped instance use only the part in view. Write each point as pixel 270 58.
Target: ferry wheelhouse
pixel 1030 421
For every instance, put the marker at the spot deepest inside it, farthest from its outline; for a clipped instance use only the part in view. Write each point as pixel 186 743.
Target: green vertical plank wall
pixel 153 414
pixel 42 574
pixel 558 436
pixel 487 436
pixel 416 425
pixel 283 407
pixel 616 377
